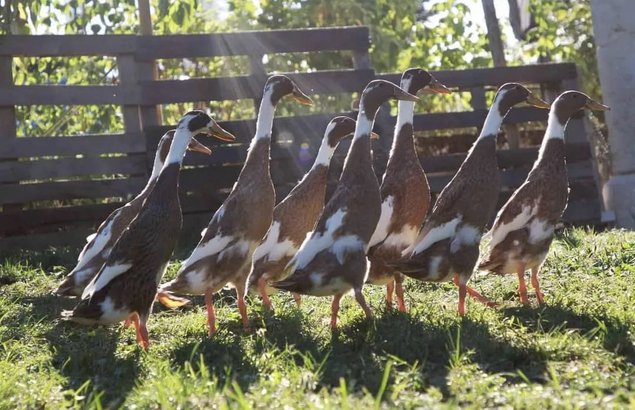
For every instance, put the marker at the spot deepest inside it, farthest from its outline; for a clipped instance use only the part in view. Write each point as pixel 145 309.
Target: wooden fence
pixel 35 214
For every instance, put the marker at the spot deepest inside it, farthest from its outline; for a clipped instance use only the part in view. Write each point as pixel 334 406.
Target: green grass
pixel 577 351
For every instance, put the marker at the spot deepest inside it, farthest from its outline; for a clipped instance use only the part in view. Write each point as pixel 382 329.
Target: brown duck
pixel 99 244
pixel 405 192
pixel 296 215
pixel 332 259
pixel 126 285
pixel 224 253
pixel 524 227
pixel 448 244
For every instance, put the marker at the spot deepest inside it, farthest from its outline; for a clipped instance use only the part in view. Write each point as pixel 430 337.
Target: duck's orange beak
pixel 195 145
pixel 217 131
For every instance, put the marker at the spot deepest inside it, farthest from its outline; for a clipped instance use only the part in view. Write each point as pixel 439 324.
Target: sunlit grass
pixel 577 351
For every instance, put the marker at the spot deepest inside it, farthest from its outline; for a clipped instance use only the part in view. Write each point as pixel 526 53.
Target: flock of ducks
pixel 365 233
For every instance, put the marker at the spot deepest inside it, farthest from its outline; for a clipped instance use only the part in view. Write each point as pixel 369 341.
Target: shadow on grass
pixel 352 353
pixel 82 353
pixel 613 334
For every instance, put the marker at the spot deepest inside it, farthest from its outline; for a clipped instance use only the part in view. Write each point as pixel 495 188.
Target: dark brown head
pixel 198 122
pixel 378 92
pixel 570 102
pixel 510 94
pixel 416 80
pixel 338 128
pixel 279 86
pixel 164 147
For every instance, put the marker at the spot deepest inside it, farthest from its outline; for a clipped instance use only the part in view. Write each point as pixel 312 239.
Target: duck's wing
pixel 517 212
pixel 443 221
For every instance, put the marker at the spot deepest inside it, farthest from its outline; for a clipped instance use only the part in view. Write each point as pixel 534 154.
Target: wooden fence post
pixel 8 124
pixel 131 113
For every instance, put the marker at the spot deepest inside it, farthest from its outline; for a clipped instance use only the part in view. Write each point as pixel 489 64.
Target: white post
pixel 614 37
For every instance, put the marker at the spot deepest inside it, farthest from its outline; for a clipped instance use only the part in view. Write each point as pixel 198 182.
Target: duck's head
pixel 510 94
pixel 417 80
pixel 339 128
pixel 164 147
pixel 199 122
pixel 570 102
pixel 279 86
pixel 378 92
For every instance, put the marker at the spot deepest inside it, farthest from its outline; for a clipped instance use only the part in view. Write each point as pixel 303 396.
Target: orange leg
pixel 211 316
pixel 296 297
pixel 126 323
pixel 390 287
pixel 262 288
pixel 359 296
pixel 536 285
pixel 466 290
pixel 142 331
pixel 522 288
pixel 473 293
pixel 335 307
pixel 400 300
pixel 242 307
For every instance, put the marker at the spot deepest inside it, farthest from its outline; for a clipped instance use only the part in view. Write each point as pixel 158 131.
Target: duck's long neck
pixel 167 182
pixel 403 146
pixel 325 153
pixel 359 157
pixel 484 148
pixel 552 146
pixel 492 122
pixel 258 153
pixel 156 171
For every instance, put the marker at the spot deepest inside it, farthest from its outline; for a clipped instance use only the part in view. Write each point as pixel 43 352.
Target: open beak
pixel 596 106
pixel 301 97
pixel 536 102
pixel 402 95
pixel 374 135
pixel 436 87
pixel 198 147
pixel 215 130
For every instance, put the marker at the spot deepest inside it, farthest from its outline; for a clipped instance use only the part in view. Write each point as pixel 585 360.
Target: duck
pixel 99 244
pixel 524 227
pixel 296 215
pixel 332 259
pixel 405 192
pixel 125 286
pixel 447 246
pixel 223 255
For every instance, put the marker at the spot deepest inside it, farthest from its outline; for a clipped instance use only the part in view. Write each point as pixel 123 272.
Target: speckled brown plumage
pixel 524 228
pixel 332 260
pixel 147 244
pixel 448 244
pixel 297 214
pixel 125 287
pixel 546 192
pixel 224 253
pixel 405 192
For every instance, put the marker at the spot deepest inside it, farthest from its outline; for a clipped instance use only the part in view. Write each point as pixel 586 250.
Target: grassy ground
pixel 576 351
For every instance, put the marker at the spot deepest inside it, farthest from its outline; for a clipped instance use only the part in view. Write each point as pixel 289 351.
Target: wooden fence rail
pixel 55 189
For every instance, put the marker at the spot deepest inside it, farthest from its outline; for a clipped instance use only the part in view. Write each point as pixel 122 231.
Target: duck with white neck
pixel 99 244
pixel 296 215
pixel 405 192
pixel 447 246
pixel 126 285
pixel 524 227
pixel 332 259
pixel 223 255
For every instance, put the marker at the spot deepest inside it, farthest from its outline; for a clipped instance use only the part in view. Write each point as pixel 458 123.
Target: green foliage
pixel 577 351
pixel 436 34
